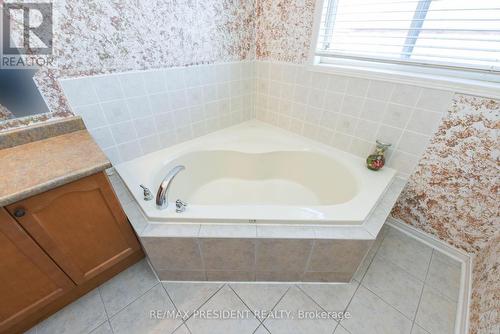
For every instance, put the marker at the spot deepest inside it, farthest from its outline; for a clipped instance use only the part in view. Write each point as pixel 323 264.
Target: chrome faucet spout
pixel 162 194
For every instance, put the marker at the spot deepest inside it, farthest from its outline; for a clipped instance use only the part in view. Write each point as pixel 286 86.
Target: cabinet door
pixel 81 225
pixel 29 280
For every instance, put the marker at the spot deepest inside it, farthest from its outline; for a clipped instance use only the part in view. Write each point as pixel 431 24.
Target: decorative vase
pixel 376 160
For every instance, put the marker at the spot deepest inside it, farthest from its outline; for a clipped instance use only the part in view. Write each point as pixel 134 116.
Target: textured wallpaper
pixel 284 29
pixel 454 192
pixel 101 36
pixel 485 304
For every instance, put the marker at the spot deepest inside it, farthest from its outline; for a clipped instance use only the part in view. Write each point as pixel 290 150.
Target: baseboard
pixel 462 320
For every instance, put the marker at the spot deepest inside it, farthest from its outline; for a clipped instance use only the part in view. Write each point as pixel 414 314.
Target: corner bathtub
pixel 256 173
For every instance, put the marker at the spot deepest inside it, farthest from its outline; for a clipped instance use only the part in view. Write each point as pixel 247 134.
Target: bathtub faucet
pixel 162 194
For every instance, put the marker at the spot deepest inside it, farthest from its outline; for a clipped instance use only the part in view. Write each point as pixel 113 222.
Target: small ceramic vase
pixel 376 160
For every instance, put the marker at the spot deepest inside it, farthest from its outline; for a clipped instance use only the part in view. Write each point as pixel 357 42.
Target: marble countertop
pixel 33 168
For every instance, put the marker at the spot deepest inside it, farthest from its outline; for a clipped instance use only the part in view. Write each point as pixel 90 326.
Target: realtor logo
pixel 27 34
pixel 27 28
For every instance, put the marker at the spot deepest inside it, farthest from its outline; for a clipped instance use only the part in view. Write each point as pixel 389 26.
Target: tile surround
pixel 350 113
pixel 134 113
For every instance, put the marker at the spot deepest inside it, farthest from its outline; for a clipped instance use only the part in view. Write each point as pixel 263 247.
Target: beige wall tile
pixel 338 255
pixel 228 254
pixel 283 254
pixel 173 253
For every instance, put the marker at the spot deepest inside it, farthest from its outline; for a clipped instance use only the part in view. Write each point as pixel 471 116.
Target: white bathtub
pixel 256 173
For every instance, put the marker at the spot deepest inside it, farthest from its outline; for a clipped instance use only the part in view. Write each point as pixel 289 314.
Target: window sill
pixel 442 81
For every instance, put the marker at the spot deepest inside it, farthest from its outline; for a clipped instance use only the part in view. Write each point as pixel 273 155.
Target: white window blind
pixel 457 34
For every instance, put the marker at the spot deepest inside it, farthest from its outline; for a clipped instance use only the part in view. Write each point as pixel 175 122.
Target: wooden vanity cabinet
pixel 57 246
pixel 29 279
pixel 80 225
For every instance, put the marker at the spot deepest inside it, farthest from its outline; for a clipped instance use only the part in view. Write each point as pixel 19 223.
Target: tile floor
pixel 402 287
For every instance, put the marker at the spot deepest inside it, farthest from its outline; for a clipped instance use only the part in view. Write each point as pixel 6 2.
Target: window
pixel 458 35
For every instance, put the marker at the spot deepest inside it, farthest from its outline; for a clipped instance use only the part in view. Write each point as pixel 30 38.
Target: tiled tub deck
pixel 231 252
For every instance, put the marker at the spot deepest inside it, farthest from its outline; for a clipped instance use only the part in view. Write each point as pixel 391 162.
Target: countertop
pixel 33 168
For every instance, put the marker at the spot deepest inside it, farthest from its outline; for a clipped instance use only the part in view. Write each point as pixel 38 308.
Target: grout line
pixel 112 330
pixel 102 301
pixel 359 283
pixel 248 307
pixel 205 302
pixel 422 291
pixel 275 305
pixel 128 304
pixel 315 302
pixel 202 257
pixel 387 303
pixel 176 308
pixel 399 267
pixel 344 328
pixel 309 256
pixel 405 128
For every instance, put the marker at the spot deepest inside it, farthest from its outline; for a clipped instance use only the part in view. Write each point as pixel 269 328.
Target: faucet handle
pixel 180 206
pixel 148 196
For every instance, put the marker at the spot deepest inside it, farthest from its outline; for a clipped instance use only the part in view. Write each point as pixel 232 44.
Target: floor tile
pixel 127 286
pixel 81 316
pixel 105 328
pixel 418 330
pixel 358 276
pixel 436 313
pixel 295 302
pixel 331 297
pixel 261 330
pixel 407 252
pixel 363 267
pixel 394 285
pixel 370 314
pixel 340 330
pixel 444 275
pixel 182 330
pixel 225 300
pixel 260 297
pixel 188 297
pixel 136 317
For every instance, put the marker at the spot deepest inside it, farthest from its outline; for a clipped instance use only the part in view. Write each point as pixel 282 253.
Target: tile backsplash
pixel 134 113
pixel 350 113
